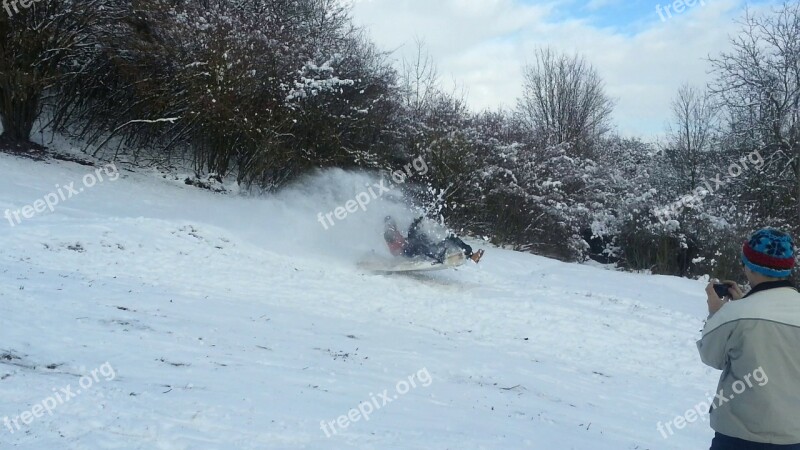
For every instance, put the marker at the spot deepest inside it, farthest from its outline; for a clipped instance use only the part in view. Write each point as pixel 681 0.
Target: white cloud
pixel 483 44
pixel 594 5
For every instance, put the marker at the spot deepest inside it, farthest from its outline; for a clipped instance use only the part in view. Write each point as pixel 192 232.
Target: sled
pixel 401 264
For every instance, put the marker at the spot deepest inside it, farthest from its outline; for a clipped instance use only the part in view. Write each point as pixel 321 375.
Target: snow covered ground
pixel 214 321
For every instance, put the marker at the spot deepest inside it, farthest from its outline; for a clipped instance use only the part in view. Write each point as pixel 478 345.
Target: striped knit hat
pixel 769 252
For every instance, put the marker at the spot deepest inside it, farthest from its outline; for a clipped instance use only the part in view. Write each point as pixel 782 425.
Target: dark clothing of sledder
pixel 419 244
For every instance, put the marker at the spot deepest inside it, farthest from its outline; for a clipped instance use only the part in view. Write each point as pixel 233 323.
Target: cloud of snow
pixel 291 218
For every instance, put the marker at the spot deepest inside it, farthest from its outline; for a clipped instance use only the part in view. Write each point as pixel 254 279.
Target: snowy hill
pixel 215 321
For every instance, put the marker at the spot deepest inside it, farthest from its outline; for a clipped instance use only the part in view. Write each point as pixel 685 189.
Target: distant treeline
pixel 268 90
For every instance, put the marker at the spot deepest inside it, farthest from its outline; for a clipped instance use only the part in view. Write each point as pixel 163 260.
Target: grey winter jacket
pixel 755 341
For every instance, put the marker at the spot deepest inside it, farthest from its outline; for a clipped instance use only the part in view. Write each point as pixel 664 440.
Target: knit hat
pixel 769 252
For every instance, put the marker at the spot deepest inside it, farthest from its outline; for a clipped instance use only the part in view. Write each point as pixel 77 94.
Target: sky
pixel 643 50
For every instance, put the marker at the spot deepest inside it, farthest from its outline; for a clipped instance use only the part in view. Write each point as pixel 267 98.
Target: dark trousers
pixel 723 442
pixel 418 244
pixel 459 243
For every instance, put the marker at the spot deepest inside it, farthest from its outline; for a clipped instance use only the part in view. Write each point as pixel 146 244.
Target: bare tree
pixel 39 48
pixel 419 80
pixel 564 101
pixel 690 135
pixel 759 84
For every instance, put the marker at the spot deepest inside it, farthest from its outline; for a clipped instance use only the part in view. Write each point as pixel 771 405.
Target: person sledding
pixel 420 244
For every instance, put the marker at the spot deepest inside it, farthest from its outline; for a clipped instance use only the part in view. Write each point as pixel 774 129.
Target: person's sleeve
pixel 717 341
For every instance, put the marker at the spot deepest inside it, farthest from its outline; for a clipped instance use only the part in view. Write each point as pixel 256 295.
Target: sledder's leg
pixel 435 252
pixel 474 256
pixel 467 249
pixel 418 244
pixel 418 247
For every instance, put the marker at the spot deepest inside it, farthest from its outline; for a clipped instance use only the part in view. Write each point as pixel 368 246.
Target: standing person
pixel 756 336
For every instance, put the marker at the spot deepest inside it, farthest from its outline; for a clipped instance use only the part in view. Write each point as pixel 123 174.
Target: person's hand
pixel 714 302
pixel 734 289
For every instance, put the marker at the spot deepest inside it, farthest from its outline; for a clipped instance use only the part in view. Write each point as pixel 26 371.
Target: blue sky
pixel 626 16
pixel 630 16
pixel 483 45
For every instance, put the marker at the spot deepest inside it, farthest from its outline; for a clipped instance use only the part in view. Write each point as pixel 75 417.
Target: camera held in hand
pixel 722 290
